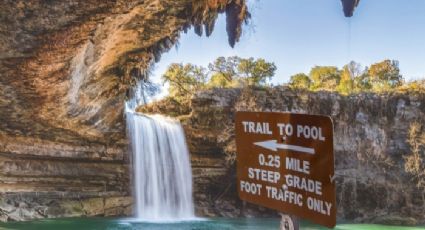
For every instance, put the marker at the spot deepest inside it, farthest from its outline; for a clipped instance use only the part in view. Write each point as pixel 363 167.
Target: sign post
pixel 285 162
pixel 289 222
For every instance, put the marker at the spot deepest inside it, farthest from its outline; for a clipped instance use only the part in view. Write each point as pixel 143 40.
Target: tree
pixel 300 81
pixel 223 72
pixel 385 75
pixel 324 77
pixel 226 67
pixel 346 83
pixel 218 80
pixel 415 86
pixel 362 82
pixel 350 75
pixel 381 76
pixel 184 80
pixel 232 71
pixel 256 72
pixel 354 69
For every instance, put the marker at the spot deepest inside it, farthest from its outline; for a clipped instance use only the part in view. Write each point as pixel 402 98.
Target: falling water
pixel 162 171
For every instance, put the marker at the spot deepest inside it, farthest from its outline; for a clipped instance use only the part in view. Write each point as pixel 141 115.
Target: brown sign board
pixel 285 162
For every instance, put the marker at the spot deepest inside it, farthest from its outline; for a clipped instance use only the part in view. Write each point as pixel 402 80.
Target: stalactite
pixel 236 14
pixel 205 14
pixel 349 7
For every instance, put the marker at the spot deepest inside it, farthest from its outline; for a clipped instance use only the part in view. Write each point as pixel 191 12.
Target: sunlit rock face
pixel 370 143
pixel 66 68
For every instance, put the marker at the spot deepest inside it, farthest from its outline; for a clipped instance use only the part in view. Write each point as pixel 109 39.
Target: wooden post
pixel 289 222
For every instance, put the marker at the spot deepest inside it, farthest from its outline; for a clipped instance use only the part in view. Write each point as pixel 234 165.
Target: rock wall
pixel 45 178
pixel 370 144
pixel 66 69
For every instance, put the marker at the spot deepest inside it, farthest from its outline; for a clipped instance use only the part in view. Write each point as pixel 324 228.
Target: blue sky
pixel 298 34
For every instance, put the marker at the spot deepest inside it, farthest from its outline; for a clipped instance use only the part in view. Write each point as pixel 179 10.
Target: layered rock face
pixel 371 133
pixel 66 69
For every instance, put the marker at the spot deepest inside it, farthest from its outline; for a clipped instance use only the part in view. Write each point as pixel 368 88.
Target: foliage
pixel 234 71
pixel 324 77
pixel 230 72
pixel 184 80
pixel 416 86
pixel 226 67
pixel 383 76
pixel 362 83
pixel 255 72
pixel 346 82
pixel 223 72
pixel 219 81
pixel 300 81
pixel 414 163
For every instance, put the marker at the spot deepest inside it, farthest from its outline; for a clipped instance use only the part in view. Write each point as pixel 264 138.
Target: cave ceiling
pixel 66 67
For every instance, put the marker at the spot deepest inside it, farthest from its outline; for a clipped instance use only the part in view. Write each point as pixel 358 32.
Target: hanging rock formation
pixel 66 68
pixel 349 6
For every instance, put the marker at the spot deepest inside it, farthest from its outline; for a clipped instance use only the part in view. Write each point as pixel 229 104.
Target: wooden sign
pixel 285 162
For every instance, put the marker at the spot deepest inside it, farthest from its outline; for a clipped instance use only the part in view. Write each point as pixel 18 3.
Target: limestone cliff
pixel 370 139
pixel 66 68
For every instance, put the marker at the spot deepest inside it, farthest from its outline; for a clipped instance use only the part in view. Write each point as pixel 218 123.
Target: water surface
pixel 202 224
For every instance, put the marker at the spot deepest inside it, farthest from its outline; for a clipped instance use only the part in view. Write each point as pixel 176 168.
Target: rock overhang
pixel 70 65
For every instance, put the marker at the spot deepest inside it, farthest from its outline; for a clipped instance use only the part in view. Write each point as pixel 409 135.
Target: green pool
pixel 201 224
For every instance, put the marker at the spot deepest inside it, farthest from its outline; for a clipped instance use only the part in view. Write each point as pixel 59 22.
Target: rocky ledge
pixel 371 133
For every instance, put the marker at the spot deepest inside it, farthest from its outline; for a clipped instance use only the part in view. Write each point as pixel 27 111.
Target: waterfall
pixel 162 171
